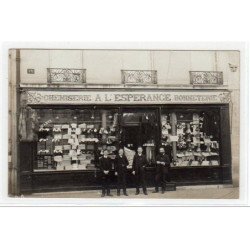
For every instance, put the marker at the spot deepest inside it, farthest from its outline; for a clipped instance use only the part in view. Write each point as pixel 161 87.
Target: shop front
pixel 64 132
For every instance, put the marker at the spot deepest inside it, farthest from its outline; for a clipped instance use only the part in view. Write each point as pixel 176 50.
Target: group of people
pixel 138 169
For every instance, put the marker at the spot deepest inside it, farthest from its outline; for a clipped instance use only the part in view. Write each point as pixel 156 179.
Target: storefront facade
pixel 63 129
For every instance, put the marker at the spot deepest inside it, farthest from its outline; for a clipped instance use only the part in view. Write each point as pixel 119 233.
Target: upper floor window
pixel 206 77
pixel 62 75
pixel 139 76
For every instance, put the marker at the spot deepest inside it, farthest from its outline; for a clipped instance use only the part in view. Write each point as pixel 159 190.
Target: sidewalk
pixel 190 192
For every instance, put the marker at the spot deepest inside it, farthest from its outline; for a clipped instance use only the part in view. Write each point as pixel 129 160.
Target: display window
pixel 193 136
pixel 74 139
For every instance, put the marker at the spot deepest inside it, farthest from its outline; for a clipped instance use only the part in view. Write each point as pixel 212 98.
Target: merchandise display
pixel 75 145
pixel 193 135
pixel 75 139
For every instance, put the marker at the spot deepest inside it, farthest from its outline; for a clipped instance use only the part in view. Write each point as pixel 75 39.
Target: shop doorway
pixel 139 128
pixel 131 137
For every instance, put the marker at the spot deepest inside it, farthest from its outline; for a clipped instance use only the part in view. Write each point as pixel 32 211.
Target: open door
pixel 139 128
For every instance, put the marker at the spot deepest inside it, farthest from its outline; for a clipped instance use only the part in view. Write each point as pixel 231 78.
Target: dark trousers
pixel 121 182
pixel 106 180
pixel 140 180
pixel 162 174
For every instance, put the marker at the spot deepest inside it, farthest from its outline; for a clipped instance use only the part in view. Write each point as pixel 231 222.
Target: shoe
pixel 145 193
pixel 102 195
pixel 125 194
pixel 163 191
pixel 156 191
pixel 109 195
pixel 118 194
pixel 137 192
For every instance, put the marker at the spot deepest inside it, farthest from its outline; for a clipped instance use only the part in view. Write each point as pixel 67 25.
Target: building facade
pixel 67 106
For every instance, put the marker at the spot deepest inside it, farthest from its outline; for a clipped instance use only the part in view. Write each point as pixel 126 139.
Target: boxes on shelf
pixel 74 166
pixel 82 146
pixel 73 125
pixel 90 126
pixel 57 136
pixel 66 157
pixel 194 163
pixel 58 147
pixel 68 167
pixel 90 167
pixel 81 137
pixel 58 158
pixel 57 127
pixel 82 157
pixel 215 163
pixel 60 167
pixel 66 162
pixel 66 136
pixel 65 126
pixel 78 131
pixel 85 162
pixel 205 163
pixel 39 163
pixel 205 154
pixel 184 163
pixel 67 147
pixel 89 157
pixel 83 125
pixel 82 167
pixel 90 147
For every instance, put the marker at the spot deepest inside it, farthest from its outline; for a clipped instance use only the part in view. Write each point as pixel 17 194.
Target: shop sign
pixel 129 97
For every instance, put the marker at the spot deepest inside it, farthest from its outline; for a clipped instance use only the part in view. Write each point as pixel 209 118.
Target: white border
pixel 244 124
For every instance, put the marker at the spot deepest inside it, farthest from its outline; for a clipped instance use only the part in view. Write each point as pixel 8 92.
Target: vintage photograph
pixel 124 123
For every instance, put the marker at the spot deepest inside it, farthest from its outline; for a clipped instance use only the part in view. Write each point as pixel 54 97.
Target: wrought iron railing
pixel 61 75
pixel 206 77
pixel 139 76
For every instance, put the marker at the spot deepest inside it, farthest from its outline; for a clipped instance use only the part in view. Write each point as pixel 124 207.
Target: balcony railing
pixel 206 77
pixel 139 76
pixel 61 75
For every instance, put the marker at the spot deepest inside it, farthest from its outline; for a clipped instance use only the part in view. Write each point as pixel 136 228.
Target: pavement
pixel 188 192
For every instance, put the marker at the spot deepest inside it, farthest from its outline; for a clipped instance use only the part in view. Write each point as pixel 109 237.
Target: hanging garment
pixel 31 124
pixel 115 121
pixel 22 124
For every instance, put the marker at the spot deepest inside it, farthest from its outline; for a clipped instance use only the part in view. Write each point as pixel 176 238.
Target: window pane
pixel 194 136
pixel 73 139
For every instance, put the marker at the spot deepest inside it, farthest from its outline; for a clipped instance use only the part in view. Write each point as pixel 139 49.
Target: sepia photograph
pixel 124 123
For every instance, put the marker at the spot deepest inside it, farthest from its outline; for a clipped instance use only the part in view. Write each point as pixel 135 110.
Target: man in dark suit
pixel 162 169
pixel 139 165
pixel 105 167
pixel 121 164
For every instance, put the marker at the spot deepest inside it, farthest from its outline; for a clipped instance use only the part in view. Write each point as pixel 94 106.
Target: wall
pixel 104 66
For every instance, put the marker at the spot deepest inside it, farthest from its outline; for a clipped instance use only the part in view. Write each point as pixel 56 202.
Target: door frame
pixel 157 112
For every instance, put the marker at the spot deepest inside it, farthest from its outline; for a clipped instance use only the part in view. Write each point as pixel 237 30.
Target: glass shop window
pixel 74 139
pixel 193 136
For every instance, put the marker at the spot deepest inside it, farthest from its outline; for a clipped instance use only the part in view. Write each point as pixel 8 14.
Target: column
pixel 173 132
pixel 104 118
pixel 14 166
